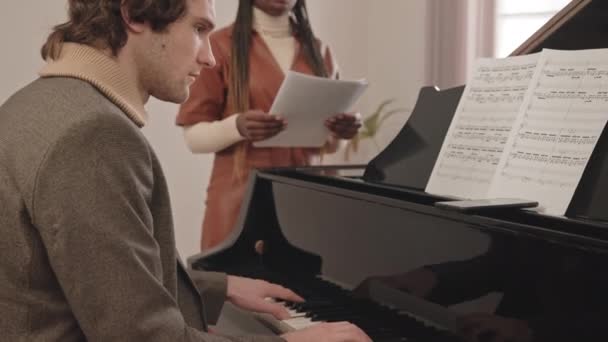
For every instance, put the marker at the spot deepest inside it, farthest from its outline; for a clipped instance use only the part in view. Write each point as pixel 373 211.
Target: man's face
pixel 275 7
pixel 175 57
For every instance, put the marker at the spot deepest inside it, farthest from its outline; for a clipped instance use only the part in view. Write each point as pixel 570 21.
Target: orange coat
pixel 208 102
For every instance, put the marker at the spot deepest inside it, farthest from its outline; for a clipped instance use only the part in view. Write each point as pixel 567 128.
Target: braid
pixel 239 76
pixel 238 94
pixel 307 39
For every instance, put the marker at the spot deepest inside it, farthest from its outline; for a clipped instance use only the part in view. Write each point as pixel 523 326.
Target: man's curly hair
pixel 99 23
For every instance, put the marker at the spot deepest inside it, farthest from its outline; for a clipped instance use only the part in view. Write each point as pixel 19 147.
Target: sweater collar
pixel 104 73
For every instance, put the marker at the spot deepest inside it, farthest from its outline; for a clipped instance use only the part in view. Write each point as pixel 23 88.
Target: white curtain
pixel 458 32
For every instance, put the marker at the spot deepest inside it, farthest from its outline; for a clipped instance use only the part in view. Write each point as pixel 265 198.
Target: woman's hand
pixel 344 126
pixel 255 125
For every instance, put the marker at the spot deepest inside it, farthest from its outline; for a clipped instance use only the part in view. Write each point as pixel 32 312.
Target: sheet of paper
pixel 306 102
pixel 561 120
pixel 481 126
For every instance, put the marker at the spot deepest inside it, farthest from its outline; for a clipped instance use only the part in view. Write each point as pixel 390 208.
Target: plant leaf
pixel 370 123
pixel 364 135
pixel 351 146
pixel 389 114
pixel 355 143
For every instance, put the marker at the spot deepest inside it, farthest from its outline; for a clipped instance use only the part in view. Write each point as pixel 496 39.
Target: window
pixel 517 20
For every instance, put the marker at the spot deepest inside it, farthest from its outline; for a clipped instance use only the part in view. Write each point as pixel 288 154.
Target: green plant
pixel 371 126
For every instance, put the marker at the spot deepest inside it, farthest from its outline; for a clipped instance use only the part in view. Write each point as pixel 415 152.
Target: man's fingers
pixel 347 331
pixel 331 332
pixel 277 310
pixel 278 291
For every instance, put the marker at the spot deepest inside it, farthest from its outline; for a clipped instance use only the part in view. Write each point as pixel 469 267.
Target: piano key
pixel 327 302
pixel 298 323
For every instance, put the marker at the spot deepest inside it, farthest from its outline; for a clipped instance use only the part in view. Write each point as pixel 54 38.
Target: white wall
pixel 383 41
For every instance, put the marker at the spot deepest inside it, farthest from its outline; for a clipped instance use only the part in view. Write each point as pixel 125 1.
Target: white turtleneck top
pixel 211 137
pixel 276 33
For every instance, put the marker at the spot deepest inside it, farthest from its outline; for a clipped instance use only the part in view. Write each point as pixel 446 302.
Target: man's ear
pixel 131 25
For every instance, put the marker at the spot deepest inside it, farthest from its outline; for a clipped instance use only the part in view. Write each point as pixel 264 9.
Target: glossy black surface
pixel 346 231
pixel 409 159
pixel 344 241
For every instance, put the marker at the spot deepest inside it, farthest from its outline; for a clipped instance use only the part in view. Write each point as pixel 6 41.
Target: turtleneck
pixel 274 26
pixel 277 34
pixel 104 73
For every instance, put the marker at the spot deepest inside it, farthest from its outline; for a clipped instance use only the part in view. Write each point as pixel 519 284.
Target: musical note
pixel 561 120
pixel 525 127
pixel 481 126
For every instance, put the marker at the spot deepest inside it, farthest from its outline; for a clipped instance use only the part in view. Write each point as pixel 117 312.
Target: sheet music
pixel 481 126
pixel 306 101
pixel 561 120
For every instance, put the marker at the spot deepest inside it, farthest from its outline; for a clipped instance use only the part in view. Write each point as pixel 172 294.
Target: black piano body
pixel 548 270
pixel 366 244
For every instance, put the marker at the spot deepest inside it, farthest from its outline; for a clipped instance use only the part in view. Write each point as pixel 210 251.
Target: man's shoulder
pixel 49 109
pixel 60 102
pixel 64 115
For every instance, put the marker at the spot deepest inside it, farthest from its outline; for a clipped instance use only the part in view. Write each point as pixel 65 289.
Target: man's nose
pixel 205 56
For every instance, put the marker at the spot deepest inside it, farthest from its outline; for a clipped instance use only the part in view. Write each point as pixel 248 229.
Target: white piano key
pixel 292 312
pixel 298 323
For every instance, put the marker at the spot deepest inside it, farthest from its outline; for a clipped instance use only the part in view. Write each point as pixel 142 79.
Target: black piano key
pixel 328 302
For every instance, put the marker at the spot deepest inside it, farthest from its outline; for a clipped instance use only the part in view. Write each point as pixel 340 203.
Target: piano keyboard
pixel 328 302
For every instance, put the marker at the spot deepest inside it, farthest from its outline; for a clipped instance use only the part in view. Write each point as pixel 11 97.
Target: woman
pixel 228 105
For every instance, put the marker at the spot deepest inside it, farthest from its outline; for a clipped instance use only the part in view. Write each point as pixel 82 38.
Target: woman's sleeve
pixel 205 130
pixel 211 137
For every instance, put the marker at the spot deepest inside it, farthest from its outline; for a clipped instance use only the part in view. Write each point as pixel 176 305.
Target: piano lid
pixel 582 24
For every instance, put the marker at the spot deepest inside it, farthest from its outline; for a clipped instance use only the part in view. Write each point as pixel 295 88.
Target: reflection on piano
pixel 369 246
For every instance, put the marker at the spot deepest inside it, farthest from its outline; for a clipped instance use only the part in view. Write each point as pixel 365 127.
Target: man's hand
pixel 482 327
pixel 344 126
pixel 328 332
pixel 255 125
pixel 251 294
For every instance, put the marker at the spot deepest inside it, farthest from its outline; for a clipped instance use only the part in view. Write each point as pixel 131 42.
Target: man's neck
pixel 111 75
pixel 126 60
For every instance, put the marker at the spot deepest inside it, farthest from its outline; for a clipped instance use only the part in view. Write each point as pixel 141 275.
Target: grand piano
pixel 366 244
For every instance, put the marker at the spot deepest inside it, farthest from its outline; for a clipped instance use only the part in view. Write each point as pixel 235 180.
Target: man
pixel 87 250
